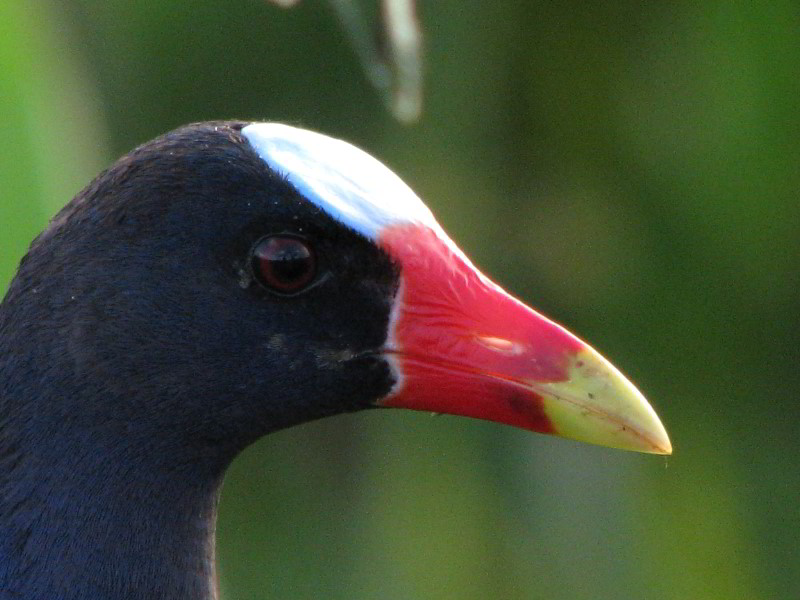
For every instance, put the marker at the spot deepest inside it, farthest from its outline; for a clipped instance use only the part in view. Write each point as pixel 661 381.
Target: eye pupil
pixel 284 264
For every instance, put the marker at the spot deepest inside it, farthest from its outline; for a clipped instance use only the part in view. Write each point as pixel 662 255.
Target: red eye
pixel 284 264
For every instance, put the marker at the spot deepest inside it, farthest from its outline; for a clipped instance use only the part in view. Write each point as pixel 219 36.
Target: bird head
pixel 230 279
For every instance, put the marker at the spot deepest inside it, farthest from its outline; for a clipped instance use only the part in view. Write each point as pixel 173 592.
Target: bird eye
pixel 284 264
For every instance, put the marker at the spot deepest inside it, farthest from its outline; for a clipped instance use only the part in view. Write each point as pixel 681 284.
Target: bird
pixel 221 282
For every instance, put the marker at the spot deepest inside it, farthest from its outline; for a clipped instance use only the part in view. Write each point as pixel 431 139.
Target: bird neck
pixel 101 496
pixel 85 513
pixel 74 528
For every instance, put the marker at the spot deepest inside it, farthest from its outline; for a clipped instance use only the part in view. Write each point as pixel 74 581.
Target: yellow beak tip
pixel 598 405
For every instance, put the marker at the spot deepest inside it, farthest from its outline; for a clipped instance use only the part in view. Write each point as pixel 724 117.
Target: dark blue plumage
pixel 138 357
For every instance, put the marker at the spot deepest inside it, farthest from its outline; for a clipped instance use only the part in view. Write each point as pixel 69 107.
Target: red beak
pixel 461 345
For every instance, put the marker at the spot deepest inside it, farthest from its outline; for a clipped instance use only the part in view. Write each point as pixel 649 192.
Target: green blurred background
pixel 631 169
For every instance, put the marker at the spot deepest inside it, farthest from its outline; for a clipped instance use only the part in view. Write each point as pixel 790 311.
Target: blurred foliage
pixel 629 168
